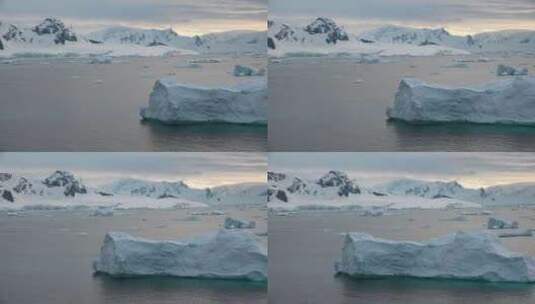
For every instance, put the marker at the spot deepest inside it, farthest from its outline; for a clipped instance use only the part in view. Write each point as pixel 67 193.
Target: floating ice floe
pixel 515 233
pixel 102 212
pixel 101 59
pixel 509 101
pixel 461 255
pixel 505 70
pixel 232 223
pixel 496 223
pixel 175 103
pixel 221 255
pixel 242 70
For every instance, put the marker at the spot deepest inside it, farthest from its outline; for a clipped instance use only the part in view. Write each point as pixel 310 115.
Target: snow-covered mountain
pixel 59 185
pixel 323 35
pixel 62 186
pixel 50 32
pixel 52 36
pixel 336 188
pixel 512 194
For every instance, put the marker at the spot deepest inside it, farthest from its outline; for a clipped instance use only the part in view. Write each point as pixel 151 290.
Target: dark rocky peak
pixel 1 45
pixel 13 33
pixel 275 177
pixel 24 186
pixel 327 26
pixel 7 195
pixel 285 33
pixel 341 180
pixel 270 23
pixel 198 41
pixel 67 180
pixel 52 26
pixel 333 179
pixel 5 177
pixel 298 185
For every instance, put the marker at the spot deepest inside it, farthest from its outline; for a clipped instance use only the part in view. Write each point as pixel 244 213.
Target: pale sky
pixel 187 17
pixel 458 16
pixel 195 169
pixel 470 169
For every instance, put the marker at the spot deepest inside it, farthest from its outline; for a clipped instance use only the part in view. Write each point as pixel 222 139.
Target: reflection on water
pixel 450 136
pixel 177 290
pixel 206 137
pixel 415 291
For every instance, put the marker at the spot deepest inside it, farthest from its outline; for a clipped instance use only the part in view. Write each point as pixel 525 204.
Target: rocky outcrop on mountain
pixel 57 28
pixel 7 195
pixel 5 177
pixel 275 176
pixel 340 180
pixel 68 181
pixel 327 26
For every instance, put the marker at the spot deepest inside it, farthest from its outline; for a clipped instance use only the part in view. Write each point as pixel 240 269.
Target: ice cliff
pixel 222 255
pixel 461 255
pixel 175 103
pixel 509 101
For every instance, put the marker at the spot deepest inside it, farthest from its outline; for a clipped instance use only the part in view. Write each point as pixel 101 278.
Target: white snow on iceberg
pixel 509 101
pixel 175 103
pixel 461 255
pixel 221 255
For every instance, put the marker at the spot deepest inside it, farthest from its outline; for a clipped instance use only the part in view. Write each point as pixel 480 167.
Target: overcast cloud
pixel 462 16
pixel 471 169
pixel 197 169
pixel 185 16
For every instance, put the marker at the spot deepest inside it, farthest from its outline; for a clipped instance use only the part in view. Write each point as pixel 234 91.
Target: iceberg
pixel 231 223
pixel 496 223
pixel 174 103
pixel 509 101
pixel 461 255
pixel 221 255
pixel 242 70
pixel 505 70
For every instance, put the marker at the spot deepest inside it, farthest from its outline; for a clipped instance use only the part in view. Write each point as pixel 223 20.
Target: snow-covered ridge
pixel 53 37
pixel 508 101
pixel 222 255
pixel 336 188
pixel 324 36
pixel 461 255
pixel 64 189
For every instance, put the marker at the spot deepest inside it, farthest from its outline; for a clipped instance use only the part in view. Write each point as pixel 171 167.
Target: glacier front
pixel 509 101
pixel 221 255
pixel 174 103
pixel 461 255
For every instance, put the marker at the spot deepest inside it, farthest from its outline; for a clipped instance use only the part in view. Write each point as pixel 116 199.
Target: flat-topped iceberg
pixel 175 103
pixel 509 101
pixel 461 255
pixel 222 255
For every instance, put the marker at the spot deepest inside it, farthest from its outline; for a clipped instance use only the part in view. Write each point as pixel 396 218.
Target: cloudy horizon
pixel 473 170
pixel 186 17
pixel 196 169
pixel 461 17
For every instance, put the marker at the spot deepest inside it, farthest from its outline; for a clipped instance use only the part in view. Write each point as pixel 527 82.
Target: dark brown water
pixel 70 105
pixel 336 104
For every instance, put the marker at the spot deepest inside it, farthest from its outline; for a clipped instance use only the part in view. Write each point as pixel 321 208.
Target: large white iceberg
pixel 221 255
pixel 509 101
pixel 461 255
pixel 175 103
